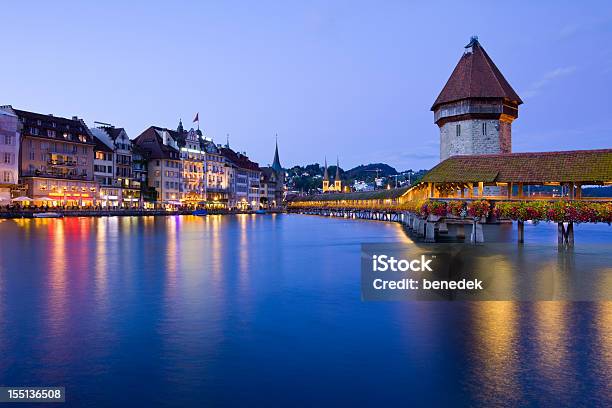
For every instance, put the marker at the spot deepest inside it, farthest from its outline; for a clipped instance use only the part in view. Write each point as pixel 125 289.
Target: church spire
pixel 337 169
pixel 325 174
pixel 180 128
pixel 276 166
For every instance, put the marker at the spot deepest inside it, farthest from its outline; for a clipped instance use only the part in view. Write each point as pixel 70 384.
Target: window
pixel 34 131
pixel 8 139
pixel 484 128
pixel 458 130
pixel 32 155
pixel 51 133
pixel 6 178
pixel 7 158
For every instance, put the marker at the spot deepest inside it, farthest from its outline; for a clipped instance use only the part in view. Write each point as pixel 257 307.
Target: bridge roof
pixel 578 166
pixel 362 195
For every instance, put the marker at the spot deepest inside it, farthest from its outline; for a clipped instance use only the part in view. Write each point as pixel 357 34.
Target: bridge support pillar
pixel 443 228
pixel 430 231
pixel 477 236
pixel 565 236
pixel 421 228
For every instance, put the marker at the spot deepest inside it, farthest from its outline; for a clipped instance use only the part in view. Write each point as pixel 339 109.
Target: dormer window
pixel 53 124
pixel 39 122
pixel 51 133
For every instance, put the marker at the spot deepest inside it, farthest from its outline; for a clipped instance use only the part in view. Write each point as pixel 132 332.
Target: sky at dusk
pixel 331 78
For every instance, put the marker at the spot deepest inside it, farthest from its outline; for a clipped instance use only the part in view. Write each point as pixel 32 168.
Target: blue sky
pixel 347 78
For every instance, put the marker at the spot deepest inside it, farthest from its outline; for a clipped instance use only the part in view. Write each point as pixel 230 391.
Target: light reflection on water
pixel 199 308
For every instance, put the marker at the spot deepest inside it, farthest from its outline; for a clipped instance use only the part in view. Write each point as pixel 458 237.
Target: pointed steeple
pixel 337 169
pixel 276 166
pixel 325 174
pixel 180 128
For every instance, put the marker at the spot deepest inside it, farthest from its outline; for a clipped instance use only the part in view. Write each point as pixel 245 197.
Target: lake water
pixel 250 310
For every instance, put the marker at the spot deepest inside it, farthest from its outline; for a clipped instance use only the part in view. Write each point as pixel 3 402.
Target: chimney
pixel 75 118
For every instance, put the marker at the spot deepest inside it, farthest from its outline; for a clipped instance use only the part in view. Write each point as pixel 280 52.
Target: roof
pixel 579 166
pixel 238 159
pixel 476 76
pixel 73 128
pixel 112 131
pixel 179 138
pixel 276 163
pixel 101 146
pixel 153 145
pixel 362 195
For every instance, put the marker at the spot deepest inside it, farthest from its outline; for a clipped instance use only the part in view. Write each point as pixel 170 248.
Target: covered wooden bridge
pixel 509 176
pixel 461 186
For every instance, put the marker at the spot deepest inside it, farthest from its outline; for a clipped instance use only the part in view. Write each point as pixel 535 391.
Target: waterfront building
pixel 217 175
pixel 56 159
pixel 147 194
pixel 110 192
pixel 476 107
pixel 10 130
pixel 193 159
pixel 337 185
pixel 126 190
pixel 272 183
pixel 244 180
pixel 163 164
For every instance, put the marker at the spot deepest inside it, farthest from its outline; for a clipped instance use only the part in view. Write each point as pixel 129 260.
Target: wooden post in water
pixel 521 232
pixel 560 235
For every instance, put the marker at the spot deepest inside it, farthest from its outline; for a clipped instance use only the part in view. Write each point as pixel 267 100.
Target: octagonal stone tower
pixel 476 107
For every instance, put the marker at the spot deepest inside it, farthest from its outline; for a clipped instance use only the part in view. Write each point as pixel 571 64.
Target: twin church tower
pixel 476 107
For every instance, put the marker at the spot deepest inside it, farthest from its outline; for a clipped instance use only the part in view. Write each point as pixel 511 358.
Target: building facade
pixel 476 107
pixel 163 165
pixel 217 176
pixel 193 168
pixel 57 159
pixel 244 180
pixel 272 184
pixel 9 152
pixel 109 195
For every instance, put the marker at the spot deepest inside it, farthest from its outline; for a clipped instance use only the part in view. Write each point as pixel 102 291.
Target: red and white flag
pixel 197 118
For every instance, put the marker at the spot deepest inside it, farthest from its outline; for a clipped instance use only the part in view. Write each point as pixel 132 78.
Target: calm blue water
pixel 252 310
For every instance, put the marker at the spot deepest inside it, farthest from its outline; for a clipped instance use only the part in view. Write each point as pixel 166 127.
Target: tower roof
pixel 276 164
pixel 337 169
pixel 325 173
pixel 476 76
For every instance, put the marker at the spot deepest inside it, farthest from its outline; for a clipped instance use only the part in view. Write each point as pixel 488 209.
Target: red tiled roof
pixel 476 76
pixel 579 166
